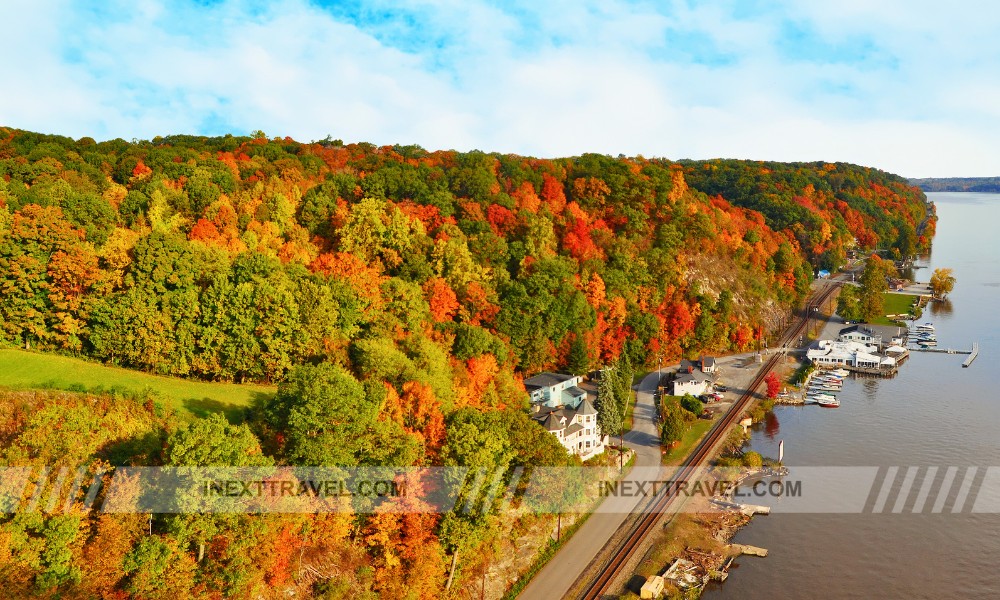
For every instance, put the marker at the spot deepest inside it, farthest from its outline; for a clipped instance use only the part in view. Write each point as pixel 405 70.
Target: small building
pixel 880 336
pixel 708 364
pixel 860 334
pixel 652 588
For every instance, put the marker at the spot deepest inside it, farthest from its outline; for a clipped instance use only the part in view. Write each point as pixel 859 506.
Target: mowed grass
pixel 895 304
pixel 20 369
pixel 692 436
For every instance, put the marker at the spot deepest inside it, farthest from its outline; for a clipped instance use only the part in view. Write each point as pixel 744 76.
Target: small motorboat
pixel 841 372
pixel 828 402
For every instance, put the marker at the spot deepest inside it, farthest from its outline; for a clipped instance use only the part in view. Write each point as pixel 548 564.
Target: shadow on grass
pixel 140 450
pixel 203 407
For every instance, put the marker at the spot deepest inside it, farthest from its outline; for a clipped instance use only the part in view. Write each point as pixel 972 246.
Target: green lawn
pixel 895 304
pixel 26 370
pixel 691 438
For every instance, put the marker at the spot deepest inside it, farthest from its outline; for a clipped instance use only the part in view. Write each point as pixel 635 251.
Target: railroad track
pixel 598 587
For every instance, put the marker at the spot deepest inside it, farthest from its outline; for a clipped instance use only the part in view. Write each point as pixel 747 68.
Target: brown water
pixel 934 413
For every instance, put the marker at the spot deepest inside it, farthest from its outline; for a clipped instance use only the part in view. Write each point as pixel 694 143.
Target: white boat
pixel 823 392
pixel 925 327
pixel 821 397
pixel 827 383
pixel 826 388
pixel 830 379
pixel 829 402
pixel 841 372
pixel 928 343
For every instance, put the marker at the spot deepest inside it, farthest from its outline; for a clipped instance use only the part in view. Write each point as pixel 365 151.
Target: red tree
pixel 773 385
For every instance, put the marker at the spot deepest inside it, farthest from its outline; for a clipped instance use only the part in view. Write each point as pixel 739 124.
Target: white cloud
pixel 559 79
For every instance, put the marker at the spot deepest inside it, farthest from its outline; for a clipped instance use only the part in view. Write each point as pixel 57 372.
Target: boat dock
pixel 972 355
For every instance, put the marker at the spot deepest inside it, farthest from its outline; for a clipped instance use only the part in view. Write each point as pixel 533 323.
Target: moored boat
pixel 841 372
pixel 829 402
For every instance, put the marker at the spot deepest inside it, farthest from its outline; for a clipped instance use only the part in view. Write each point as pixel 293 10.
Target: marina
pixel 931 414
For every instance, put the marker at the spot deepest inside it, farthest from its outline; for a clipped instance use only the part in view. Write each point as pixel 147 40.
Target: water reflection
pixel 771 425
pixel 941 308
pixel 870 385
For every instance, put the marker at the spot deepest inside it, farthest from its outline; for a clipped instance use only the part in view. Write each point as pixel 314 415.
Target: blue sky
pixel 912 87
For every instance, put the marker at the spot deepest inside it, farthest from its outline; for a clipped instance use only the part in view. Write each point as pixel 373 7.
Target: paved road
pixel 568 564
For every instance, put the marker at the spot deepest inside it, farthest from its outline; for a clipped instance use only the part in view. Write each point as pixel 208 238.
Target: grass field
pixel 691 438
pixel 31 370
pixel 895 304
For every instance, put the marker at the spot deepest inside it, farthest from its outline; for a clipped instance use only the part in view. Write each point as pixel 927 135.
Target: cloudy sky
pixel 909 86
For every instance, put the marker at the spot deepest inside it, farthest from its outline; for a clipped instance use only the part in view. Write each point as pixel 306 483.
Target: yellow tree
pixel 942 282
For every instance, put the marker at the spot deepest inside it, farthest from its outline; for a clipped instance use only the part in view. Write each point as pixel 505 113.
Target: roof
pixel 707 361
pixel 575 391
pixel 575 427
pixel 552 422
pixel 586 408
pixel 543 380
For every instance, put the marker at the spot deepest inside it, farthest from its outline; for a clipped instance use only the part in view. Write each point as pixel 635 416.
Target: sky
pixel 908 86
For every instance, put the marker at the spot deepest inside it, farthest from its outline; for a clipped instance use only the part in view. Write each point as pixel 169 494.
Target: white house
pixel 555 389
pixel 575 428
pixel 695 378
pixel 875 335
pixel 860 334
pixel 696 384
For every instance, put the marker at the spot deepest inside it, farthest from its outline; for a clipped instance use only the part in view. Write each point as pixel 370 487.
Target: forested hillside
pixel 958 184
pixel 397 296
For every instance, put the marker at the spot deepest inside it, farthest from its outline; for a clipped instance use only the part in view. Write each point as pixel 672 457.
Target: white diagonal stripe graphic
pixel 43 477
pixel 883 494
pixel 470 501
pixel 494 489
pixel 56 488
pixel 515 478
pixel 942 495
pixel 963 492
pixel 904 492
pixel 925 489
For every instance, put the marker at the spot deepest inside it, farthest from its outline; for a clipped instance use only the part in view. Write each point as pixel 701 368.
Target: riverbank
pixel 699 535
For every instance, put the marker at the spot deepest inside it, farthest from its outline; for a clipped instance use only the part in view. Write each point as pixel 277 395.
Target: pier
pixel 972 355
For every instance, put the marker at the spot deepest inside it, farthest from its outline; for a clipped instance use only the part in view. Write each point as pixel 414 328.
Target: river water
pixel 933 413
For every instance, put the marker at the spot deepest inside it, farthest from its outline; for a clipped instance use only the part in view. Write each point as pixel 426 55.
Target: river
pixel 933 413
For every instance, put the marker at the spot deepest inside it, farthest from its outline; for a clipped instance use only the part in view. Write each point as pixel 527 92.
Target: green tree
pixel 871 298
pixel 608 404
pixel 848 305
pixel 692 404
pixel 673 427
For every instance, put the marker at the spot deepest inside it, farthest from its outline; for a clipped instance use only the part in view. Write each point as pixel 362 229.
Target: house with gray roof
pixel 574 427
pixel 555 389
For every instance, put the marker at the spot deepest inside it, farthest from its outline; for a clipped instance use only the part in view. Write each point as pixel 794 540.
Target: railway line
pixel 600 585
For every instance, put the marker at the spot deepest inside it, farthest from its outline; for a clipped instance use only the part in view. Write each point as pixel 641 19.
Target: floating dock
pixel 972 355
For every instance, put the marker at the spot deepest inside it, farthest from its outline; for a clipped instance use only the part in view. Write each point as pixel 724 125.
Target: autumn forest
pixel 397 297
